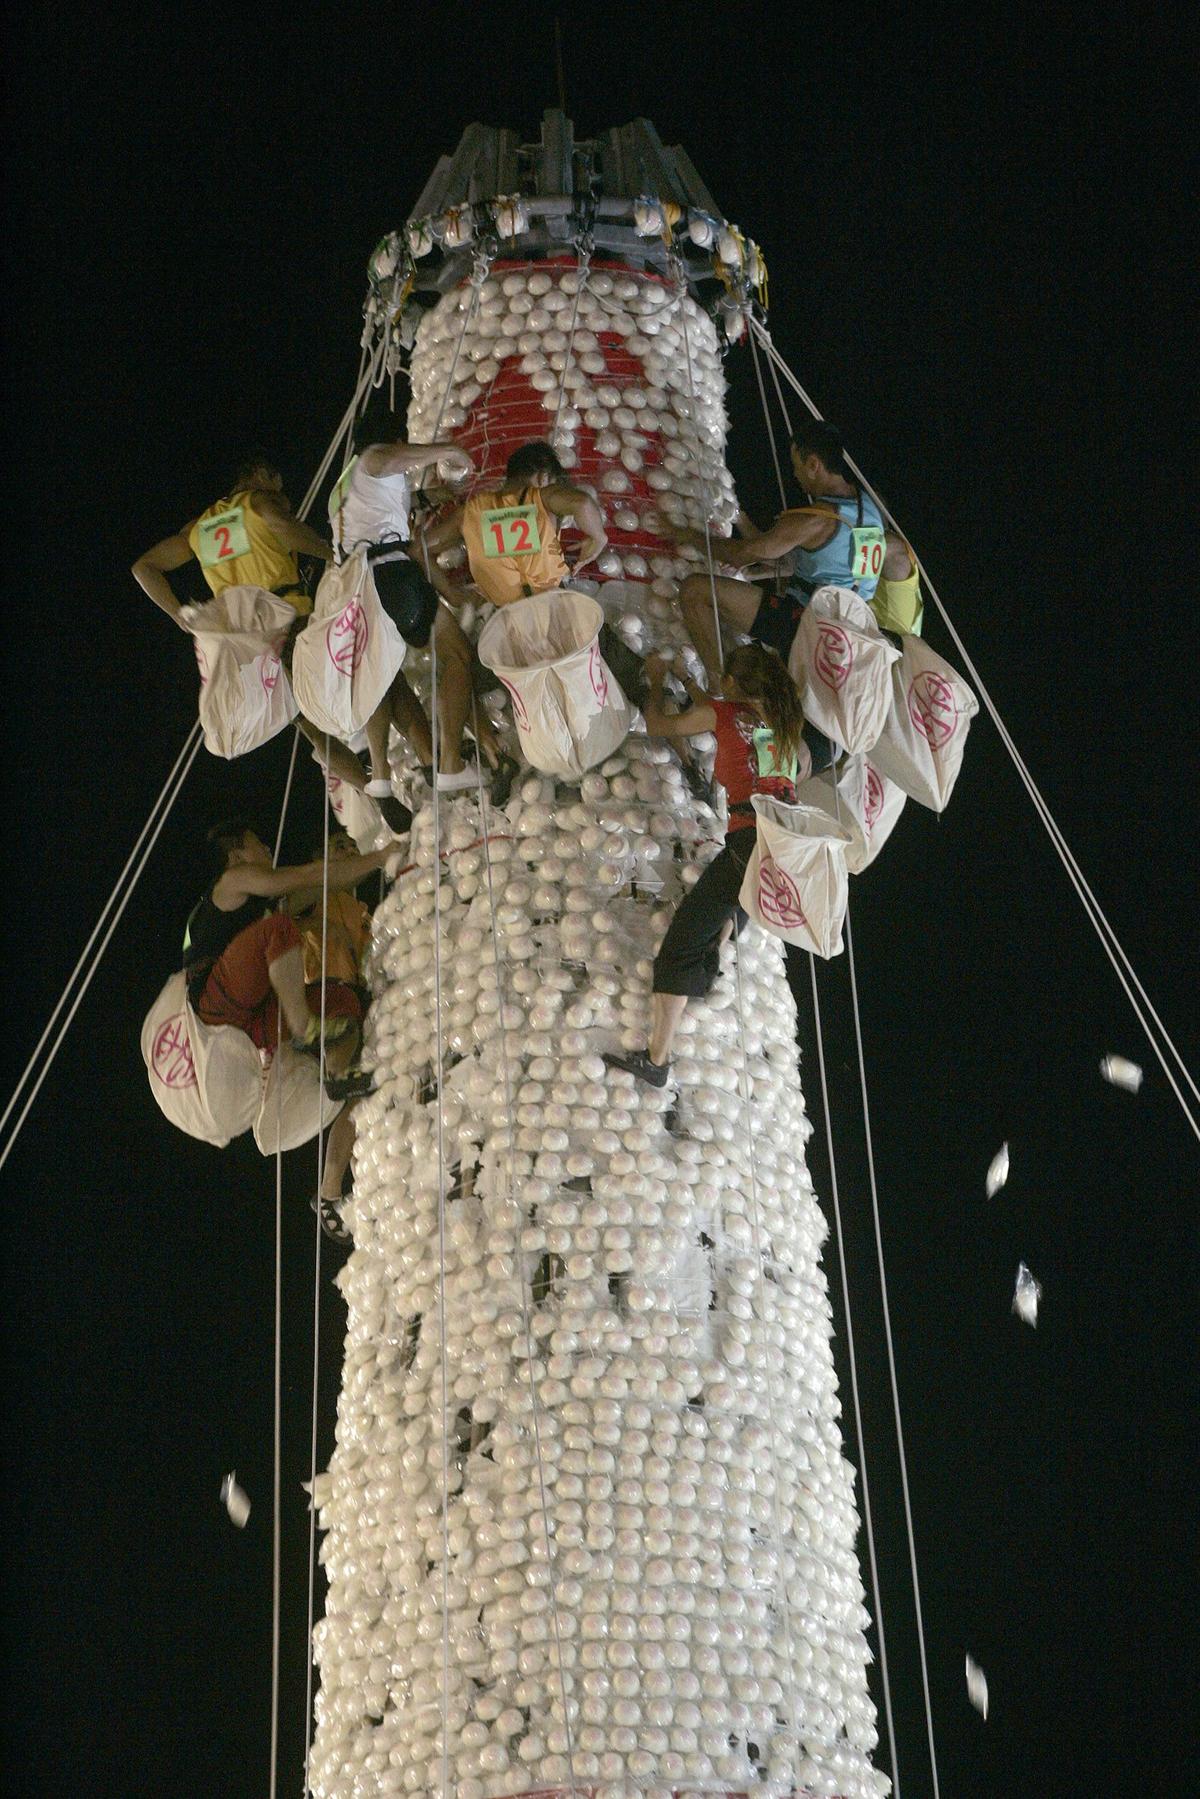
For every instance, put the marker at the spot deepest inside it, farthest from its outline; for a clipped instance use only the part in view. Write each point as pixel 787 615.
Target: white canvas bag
pixel 570 712
pixel 862 799
pixel 796 884
pixel 287 1114
pixel 205 1078
pixel 841 662
pixel 245 698
pixel 349 652
pixel 922 745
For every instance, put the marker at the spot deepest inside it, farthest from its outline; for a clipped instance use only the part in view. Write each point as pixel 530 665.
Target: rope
pixel 316 1355
pixel 858 1422
pixel 98 927
pixel 750 1133
pixel 276 1485
pixel 1122 966
pixel 166 801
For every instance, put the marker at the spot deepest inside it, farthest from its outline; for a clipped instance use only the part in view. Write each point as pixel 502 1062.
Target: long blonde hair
pixel 762 677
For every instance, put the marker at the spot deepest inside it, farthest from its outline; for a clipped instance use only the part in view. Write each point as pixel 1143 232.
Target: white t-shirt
pixel 375 510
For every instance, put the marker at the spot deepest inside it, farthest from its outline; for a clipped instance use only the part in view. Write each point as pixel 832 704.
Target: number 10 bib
pixel 510 531
pixel 866 552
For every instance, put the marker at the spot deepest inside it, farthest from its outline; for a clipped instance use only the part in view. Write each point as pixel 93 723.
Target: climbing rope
pixel 744 1077
pixel 892 1374
pixel 1122 966
pixel 130 875
pixel 860 1433
pixel 277 1422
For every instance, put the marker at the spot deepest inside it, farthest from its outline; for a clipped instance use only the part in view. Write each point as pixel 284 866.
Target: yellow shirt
pixel 346 938
pixel 512 544
pixel 236 547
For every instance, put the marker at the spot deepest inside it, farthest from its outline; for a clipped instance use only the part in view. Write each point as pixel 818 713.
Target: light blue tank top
pixel 852 558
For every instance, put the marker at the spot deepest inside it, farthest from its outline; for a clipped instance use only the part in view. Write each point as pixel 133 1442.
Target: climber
pixel 337 938
pixel 836 541
pixel 370 510
pixel 763 746
pixel 340 942
pixel 244 964
pixel 514 549
pixel 251 539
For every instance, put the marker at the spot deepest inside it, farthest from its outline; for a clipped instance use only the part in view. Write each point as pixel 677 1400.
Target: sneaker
pixel 503 776
pixel 457 783
pixel 356 1083
pixel 396 815
pixel 378 789
pixel 330 1214
pixel 638 1064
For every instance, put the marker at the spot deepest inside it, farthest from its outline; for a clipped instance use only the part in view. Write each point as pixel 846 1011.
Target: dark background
pixel 977 245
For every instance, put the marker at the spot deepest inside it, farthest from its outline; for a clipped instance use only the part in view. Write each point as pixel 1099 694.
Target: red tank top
pixel 747 762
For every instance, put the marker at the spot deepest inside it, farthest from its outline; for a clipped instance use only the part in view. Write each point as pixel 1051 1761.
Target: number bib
pixel 763 739
pixel 866 552
pixel 341 488
pixel 223 537
pixel 510 531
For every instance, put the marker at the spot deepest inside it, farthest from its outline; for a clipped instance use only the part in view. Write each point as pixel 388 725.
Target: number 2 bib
pixel 866 552
pixel 510 531
pixel 223 537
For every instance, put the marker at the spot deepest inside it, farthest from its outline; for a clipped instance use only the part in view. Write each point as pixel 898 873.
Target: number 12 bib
pixel 223 537
pixel 510 531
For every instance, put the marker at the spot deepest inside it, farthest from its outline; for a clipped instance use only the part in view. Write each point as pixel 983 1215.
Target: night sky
pixel 977 258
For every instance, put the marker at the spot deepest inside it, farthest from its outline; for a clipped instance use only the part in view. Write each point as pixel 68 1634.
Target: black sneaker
pixel 329 1212
pixel 356 1083
pixel 638 1064
pixel 503 776
pixel 396 815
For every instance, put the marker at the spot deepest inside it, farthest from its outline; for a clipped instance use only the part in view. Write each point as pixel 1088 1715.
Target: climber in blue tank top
pixel 837 540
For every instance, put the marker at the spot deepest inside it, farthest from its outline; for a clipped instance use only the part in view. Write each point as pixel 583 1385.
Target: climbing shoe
pixel 356 1083
pixel 396 815
pixel 503 776
pixel 638 1064
pixel 330 1213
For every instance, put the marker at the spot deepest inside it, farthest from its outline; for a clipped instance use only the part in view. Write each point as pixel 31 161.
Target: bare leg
pixel 666 1010
pixel 343 1054
pixel 338 759
pixel 378 726
pixel 454 690
pixel 286 975
pixel 408 716
pixel 737 603
pixel 339 1147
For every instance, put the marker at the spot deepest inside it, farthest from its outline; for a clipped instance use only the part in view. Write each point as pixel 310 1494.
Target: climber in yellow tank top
pixel 249 539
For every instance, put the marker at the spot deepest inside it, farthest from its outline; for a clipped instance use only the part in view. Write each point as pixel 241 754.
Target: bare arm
pixel 248 880
pixel 572 502
pixel 791 531
pixel 898 559
pixel 699 718
pixel 151 570
pixel 292 533
pixel 403 458
pixel 443 535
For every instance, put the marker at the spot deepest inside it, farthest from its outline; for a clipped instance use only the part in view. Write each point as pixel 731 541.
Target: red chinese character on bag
pixel 597 675
pixel 518 706
pixel 931 707
pixel 268 669
pixel 778 896
pixel 171 1057
pixel 347 638
pixel 834 657
pixel 872 798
